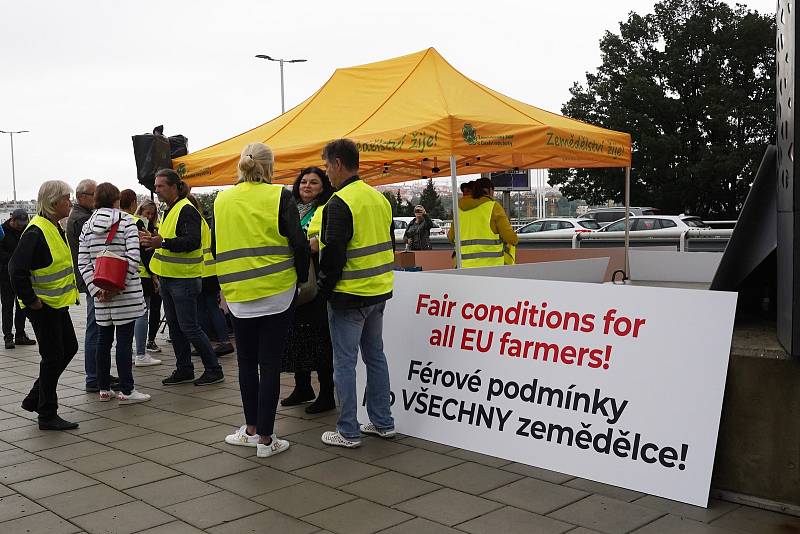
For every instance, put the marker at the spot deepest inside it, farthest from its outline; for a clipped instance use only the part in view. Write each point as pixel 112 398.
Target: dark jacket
pixel 7 247
pixel 31 253
pixel 187 231
pixel 77 218
pixel 418 234
pixel 337 231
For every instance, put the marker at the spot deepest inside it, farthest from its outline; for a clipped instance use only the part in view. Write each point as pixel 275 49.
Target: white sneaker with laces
pixel 375 431
pixel 242 438
pixel 335 439
pixel 133 397
pixel 276 447
pixel 145 360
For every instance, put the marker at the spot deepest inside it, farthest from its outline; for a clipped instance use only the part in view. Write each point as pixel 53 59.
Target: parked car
pixel 609 215
pixel 562 225
pixel 675 223
pixel 401 223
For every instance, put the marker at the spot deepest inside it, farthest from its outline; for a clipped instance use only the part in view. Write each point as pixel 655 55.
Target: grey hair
pixel 50 194
pixel 84 184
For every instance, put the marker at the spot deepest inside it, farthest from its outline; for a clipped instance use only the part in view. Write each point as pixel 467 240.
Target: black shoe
pixel 56 423
pixel 178 378
pixel 92 388
pixel 29 405
pixel 324 403
pixel 210 377
pixel 223 349
pixel 299 396
pixel 10 344
pixel 24 340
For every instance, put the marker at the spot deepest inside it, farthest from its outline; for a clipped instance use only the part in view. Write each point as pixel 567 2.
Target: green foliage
pixel 392 202
pixel 206 200
pixel 431 201
pixel 694 84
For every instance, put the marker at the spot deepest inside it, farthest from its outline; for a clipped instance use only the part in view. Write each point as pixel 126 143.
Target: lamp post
pixel 13 172
pixel 281 61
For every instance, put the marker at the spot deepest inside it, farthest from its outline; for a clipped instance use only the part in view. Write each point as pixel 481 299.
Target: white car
pixel 672 223
pixel 401 223
pixel 558 226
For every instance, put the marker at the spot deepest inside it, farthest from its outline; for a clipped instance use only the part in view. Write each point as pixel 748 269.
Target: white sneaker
pixel 145 360
pixel 276 447
pixel 133 397
pixel 106 396
pixel 241 437
pixel 375 431
pixel 337 440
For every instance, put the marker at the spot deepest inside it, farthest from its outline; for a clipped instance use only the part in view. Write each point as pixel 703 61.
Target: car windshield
pixel 590 224
pixel 695 222
pixel 615 227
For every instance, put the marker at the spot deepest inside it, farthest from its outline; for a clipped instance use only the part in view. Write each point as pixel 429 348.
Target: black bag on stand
pixel 152 152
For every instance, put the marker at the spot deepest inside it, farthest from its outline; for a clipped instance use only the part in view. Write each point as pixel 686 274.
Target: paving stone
pixel 299 456
pixel 338 471
pixel 672 524
pixel 537 472
pixel 133 475
pixel 536 495
pixel 373 448
pixel 267 522
pixel 256 481
pixel 123 519
pixel 755 521
pixel 212 434
pixel 216 411
pixel 716 508
pixel 181 425
pixel 420 526
pixel 50 441
pixel 510 520
pixel 213 509
pixel 94 425
pixel 104 461
pixel 303 499
pixel 116 434
pixel 390 488
pixel 177 527
pixel 84 501
pixel 41 523
pixel 214 466
pixel 292 425
pixel 172 490
pixel 53 484
pixel 448 506
pixel 472 478
pixel 28 470
pixel 357 517
pixel 5 490
pixel 606 514
pixel 146 442
pixel 427 445
pixel 15 456
pixel 485 459
pixel 178 452
pixel 615 492
pixel 76 450
pixel 418 462
pixel 14 506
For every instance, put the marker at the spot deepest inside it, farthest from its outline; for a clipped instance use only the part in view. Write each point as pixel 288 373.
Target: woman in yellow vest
pixel 487 238
pixel 42 275
pixel 262 254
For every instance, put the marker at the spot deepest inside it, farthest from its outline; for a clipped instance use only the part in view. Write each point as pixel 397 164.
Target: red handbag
pixel 110 270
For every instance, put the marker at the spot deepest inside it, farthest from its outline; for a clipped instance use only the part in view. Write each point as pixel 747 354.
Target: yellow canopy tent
pixel 414 116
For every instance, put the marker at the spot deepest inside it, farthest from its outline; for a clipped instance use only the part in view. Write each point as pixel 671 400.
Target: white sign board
pixel 617 384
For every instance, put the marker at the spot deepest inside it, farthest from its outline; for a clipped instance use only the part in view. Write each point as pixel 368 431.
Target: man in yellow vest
pixel 356 261
pixel 178 261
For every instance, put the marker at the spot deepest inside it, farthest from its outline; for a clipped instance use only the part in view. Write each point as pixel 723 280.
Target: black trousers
pixel 57 346
pixel 260 342
pixel 10 307
pixel 154 320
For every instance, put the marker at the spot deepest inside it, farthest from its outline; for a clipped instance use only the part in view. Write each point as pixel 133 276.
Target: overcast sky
pixel 83 76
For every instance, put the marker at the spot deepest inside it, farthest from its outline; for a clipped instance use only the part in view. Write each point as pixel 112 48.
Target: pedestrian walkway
pixel 162 467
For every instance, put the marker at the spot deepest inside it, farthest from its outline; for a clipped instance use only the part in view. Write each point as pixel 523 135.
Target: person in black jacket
pixel 12 228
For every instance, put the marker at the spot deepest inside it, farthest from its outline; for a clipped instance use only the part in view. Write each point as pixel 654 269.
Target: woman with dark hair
pixel 309 345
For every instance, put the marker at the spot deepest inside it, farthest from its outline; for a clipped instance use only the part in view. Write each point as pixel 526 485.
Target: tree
pixel 206 200
pixel 392 202
pixel 694 84
pixel 431 201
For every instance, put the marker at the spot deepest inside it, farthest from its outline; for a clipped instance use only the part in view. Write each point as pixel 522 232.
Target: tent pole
pixel 627 221
pixel 456 225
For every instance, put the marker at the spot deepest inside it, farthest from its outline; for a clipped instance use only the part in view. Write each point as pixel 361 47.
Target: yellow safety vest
pixel 143 272
pixel 509 254
pixel 209 269
pixel 253 259
pixel 176 264
pixel 370 259
pixel 480 247
pixel 54 284
pixel 315 224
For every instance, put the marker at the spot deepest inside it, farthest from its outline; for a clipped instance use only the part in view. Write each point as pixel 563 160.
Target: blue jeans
pixel 105 339
pixel 180 296
pixel 351 329
pixel 212 320
pixel 90 343
pixel 140 330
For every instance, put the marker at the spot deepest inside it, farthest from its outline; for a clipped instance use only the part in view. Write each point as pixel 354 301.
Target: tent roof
pixel 408 115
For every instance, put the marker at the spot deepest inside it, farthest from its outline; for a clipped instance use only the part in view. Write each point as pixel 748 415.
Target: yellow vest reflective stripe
pixel 253 259
pixel 370 259
pixel 480 247
pixel 54 284
pixel 176 264
pixel 143 273
pixel 209 269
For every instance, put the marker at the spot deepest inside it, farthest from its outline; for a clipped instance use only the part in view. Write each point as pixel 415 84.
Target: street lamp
pixel 281 61
pixel 13 173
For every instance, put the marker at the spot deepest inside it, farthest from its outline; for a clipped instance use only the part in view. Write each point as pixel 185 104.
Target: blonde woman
pixel 262 254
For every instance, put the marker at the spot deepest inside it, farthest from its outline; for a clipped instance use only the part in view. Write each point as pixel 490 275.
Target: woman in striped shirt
pixel 114 310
